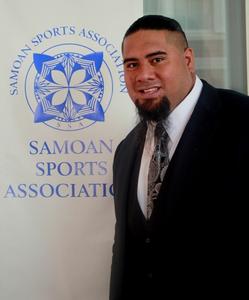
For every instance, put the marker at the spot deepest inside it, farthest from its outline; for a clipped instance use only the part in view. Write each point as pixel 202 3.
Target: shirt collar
pixel 179 117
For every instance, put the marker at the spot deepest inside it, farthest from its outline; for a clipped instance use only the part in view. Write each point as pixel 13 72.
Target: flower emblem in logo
pixel 68 87
pixel 71 90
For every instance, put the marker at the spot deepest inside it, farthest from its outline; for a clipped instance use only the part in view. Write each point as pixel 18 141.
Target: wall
pixel 64 109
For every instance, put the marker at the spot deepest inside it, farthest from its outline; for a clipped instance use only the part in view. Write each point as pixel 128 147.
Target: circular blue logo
pixel 69 87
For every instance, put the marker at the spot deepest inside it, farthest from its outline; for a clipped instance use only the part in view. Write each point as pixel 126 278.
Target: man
pixel 180 230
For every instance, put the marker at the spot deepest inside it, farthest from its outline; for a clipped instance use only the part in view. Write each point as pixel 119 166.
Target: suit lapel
pixel 195 141
pixel 124 163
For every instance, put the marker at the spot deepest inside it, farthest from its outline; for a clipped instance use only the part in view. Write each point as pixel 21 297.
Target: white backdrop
pixel 64 109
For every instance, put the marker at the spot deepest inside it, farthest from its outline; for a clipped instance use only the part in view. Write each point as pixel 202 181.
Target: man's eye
pixel 131 65
pixel 157 59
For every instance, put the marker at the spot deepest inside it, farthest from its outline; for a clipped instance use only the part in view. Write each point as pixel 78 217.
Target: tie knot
pixel 160 130
pixel 161 139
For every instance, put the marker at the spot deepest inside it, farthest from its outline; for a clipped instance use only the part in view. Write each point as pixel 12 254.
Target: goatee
pixel 157 114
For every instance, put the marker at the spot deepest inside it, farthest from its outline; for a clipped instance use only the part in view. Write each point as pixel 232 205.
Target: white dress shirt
pixel 176 123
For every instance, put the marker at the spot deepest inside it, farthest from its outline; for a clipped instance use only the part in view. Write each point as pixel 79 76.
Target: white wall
pixel 57 223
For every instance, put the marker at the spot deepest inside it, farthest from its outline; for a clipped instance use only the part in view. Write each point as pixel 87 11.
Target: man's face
pixel 157 68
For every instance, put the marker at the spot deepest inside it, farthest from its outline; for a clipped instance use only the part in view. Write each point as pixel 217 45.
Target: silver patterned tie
pixel 158 166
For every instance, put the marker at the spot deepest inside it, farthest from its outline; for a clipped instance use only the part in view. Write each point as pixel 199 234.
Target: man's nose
pixel 145 72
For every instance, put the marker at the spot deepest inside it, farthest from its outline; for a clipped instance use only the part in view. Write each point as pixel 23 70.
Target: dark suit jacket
pixel 202 224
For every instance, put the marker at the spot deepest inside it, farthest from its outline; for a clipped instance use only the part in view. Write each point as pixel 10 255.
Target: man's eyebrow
pixel 129 59
pixel 132 59
pixel 155 53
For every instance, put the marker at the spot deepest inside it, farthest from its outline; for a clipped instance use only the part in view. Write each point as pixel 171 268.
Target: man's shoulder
pixel 230 99
pixel 133 138
pixel 134 134
pixel 225 92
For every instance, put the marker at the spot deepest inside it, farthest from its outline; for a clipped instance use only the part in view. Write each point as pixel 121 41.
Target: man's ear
pixel 189 58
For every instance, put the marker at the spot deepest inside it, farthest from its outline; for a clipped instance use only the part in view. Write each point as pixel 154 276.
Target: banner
pixel 64 109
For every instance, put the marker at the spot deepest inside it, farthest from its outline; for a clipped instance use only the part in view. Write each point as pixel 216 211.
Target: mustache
pixel 157 114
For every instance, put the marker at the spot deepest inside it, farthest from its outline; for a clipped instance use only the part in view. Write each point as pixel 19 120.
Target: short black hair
pixel 155 22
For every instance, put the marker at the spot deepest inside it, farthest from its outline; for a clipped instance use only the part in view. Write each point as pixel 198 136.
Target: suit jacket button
pixel 147 240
